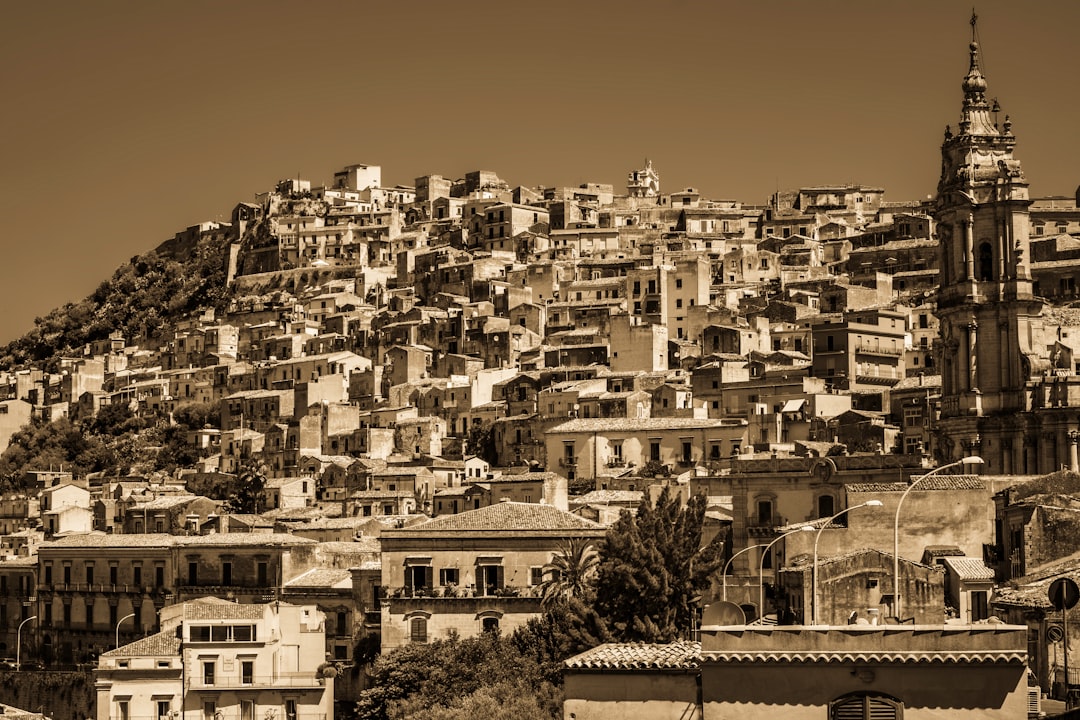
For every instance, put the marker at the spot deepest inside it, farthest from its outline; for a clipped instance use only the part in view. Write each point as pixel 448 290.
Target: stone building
pixel 1004 396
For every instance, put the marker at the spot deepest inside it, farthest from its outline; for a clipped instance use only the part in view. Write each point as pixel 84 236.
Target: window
pixel 764 512
pixel 418 630
pixel 123 710
pixel 261 572
pixel 90 573
pixel 48 573
pixel 159 575
pixel 865 706
pixel 193 573
pixel 290 710
pixel 536 575
pixel 114 572
pixel 247 710
pixel 826 505
pixel 247 672
pixel 491 624
pixel 67 573
pixel 654 450
pixel 208 672
pixel 489 579
pixel 163 707
pixel 209 709
pixel 136 574
pixel 449 576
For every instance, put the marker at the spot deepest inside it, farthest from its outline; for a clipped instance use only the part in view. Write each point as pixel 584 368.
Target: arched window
pixel 986 262
pixel 866 706
pixel 418 629
pixel 491 624
pixel 826 506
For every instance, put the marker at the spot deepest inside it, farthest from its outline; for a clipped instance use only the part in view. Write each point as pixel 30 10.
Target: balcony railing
pixel 616 462
pixel 457 592
pixel 292 680
pixel 868 349
pixel 567 462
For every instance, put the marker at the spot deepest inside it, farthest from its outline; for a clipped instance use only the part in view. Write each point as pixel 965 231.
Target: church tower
pixel 990 320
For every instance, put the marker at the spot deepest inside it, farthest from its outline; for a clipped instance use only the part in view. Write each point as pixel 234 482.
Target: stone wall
pixel 60 695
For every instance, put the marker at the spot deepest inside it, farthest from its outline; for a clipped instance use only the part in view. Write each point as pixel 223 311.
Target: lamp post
pixel 728 564
pixel 118 624
pixel 18 642
pixel 761 568
pixel 813 593
pixel 970 460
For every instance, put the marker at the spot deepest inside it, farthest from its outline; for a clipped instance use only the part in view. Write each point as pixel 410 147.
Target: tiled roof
pixel 938 482
pixel 162 643
pixel 632 424
pixel 892 658
pixel 603 497
pixel 927 381
pixel 507 516
pixel 350 547
pixel 322 578
pixel 638 656
pixel 234 539
pixel 93 540
pixel 969 568
pixel 223 611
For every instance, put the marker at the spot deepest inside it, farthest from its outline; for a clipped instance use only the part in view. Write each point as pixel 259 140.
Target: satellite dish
pixel 721 613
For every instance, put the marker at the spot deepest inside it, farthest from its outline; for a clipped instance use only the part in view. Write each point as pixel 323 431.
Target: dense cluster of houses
pixel 445 382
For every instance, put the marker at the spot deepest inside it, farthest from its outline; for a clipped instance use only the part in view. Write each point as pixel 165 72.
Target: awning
pixel 793 405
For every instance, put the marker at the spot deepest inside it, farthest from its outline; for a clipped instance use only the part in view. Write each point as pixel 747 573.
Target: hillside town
pixel 431 390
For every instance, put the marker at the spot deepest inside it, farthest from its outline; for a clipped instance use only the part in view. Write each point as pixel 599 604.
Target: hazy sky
pixel 124 122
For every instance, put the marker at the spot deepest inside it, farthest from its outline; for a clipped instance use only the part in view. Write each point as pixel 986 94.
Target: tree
pixel 570 572
pixel 247 498
pixel 653 570
pixel 481 442
pixel 421 678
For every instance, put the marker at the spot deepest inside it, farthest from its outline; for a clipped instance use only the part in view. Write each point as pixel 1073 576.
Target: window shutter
pixel 428 574
pixel 499 577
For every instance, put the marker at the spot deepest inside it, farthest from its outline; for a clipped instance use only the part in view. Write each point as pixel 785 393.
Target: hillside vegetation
pixel 143 299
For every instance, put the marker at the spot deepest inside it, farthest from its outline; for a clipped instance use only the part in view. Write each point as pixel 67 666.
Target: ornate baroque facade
pixel 1003 398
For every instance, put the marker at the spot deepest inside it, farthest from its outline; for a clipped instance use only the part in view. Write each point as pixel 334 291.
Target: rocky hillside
pixel 143 299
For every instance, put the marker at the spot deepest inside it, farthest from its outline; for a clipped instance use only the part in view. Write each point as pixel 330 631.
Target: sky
pixel 126 121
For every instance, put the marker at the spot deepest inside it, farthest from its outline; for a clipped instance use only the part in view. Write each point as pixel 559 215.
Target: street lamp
pixel 121 622
pixel 761 569
pixel 970 460
pixel 18 642
pixel 728 564
pixel 813 592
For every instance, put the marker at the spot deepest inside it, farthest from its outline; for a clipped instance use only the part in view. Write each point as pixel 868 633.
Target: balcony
pixel 868 349
pixel 457 592
pixel 567 462
pixel 616 462
pixel 281 680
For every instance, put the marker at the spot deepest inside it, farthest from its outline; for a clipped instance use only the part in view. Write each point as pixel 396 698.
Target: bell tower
pixel 989 317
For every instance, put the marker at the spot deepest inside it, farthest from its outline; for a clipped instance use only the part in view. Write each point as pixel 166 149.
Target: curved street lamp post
pixel 18 642
pixel 761 568
pixel 728 564
pixel 971 460
pixel 118 624
pixel 814 577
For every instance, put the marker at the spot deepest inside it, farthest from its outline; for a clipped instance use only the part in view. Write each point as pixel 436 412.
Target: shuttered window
pixel 418 630
pixel 866 707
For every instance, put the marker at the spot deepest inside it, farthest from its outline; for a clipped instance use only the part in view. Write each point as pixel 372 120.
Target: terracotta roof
pixel 162 643
pixel 92 540
pixel 893 658
pixel 638 656
pixel 322 578
pixel 233 539
pixel 507 516
pixel 632 424
pixel 938 482
pixel 968 568
pixel 223 611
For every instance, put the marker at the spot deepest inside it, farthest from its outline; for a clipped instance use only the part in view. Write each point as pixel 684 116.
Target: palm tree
pixel 569 574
